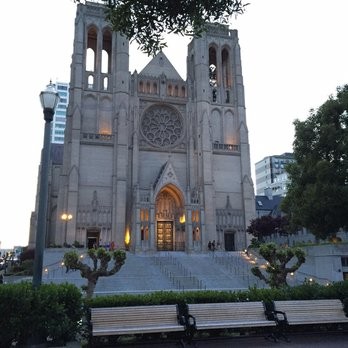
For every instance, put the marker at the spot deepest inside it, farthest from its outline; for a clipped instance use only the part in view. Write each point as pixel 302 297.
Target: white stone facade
pixel 153 162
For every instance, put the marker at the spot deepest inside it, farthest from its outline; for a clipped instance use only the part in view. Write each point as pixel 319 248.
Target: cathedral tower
pixel 94 177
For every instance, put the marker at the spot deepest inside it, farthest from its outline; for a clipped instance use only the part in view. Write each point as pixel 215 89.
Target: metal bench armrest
pixel 190 321
pixel 277 316
pixel 280 316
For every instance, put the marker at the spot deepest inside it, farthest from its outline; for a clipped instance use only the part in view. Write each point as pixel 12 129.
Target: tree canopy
pixel 317 196
pixel 267 225
pixel 146 21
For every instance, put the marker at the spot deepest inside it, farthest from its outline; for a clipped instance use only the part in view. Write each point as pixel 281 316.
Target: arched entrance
pixel 170 220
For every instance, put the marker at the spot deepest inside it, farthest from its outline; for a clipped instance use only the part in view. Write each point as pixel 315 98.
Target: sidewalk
pixel 322 340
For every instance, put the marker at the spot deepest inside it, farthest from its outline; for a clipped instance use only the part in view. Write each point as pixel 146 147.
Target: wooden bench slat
pixel 135 320
pixel 229 315
pixel 301 312
pixel 135 330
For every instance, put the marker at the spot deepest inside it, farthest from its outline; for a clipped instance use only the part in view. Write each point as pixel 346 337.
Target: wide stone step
pixel 162 271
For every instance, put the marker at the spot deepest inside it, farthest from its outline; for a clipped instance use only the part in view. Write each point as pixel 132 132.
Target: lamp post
pixel 66 217
pixel 49 99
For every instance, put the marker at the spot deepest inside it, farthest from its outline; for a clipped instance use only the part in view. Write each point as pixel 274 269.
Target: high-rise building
pixel 151 161
pixel 59 119
pixel 270 172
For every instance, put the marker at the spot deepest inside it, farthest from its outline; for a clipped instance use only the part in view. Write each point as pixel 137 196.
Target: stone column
pixel 188 229
pixel 152 237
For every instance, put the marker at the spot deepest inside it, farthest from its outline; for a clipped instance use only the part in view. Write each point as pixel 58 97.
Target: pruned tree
pixel 146 21
pixel 277 267
pixel 100 265
pixel 317 196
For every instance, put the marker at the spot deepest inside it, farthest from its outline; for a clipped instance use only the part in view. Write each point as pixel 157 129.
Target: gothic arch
pixel 105 116
pixel 90 114
pixel 216 125
pixel 230 128
pixel 174 191
pixel 213 65
pixel 107 51
pixel 226 66
pixel 91 49
pixel 170 219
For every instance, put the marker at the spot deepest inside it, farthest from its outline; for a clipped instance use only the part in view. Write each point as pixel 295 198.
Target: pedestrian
pixel 213 245
pixel 2 276
pixel 209 245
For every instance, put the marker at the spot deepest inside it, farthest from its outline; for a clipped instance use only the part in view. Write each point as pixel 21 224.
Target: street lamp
pixel 66 217
pixel 49 99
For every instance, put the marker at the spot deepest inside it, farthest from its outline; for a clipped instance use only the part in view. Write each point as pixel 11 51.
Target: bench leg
pixel 191 343
pixel 278 334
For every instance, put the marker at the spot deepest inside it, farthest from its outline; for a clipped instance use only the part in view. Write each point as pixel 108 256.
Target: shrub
pixel 27 254
pixel 50 310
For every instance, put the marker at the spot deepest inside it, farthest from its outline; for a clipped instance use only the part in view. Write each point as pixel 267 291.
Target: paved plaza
pixel 323 340
pixel 318 340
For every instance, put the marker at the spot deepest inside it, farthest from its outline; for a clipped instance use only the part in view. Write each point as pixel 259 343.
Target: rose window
pixel 162 126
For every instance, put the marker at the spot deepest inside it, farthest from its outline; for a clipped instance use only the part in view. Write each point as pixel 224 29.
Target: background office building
pixel 270 173
pixel 59 119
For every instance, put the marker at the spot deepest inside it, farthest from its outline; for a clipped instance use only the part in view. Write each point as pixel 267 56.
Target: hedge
pixel 51 311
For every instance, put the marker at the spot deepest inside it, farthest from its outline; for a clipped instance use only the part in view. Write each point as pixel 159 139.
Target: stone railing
pixel 226 147
pixel 96 138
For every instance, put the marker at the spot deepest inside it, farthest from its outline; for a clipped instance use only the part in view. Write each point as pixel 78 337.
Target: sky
pixel 294 56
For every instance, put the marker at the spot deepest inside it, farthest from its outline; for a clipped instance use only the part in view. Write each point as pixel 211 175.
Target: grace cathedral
pixel 152 162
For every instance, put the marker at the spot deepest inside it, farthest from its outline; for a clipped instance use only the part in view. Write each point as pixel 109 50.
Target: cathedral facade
pixel 153 162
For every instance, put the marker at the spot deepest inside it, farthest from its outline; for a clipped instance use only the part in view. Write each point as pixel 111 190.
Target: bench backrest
pixel 311 311
pixel 141 316
pixel 232 311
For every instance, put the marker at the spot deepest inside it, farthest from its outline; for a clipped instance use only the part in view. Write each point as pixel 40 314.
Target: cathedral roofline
pixel 160 65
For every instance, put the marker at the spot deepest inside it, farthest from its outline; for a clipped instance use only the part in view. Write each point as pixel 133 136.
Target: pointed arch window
pixel 226 70
pixel 90 81
pixel 91 50
pixel 212 67
pixel 106 52
pixel 105 83
pixel 105 62
pixel 170 90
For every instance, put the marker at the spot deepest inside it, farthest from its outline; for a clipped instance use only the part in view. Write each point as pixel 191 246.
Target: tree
pixel 267 225
pixel 278 258
pixel 146 21
pixel 100 260
pixel 317 196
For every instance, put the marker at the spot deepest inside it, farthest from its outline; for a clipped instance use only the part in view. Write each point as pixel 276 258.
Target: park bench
pixel 135 320
pixel 310 312
pixel 234 315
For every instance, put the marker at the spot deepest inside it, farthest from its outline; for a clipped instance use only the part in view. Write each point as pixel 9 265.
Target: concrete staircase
pixel 160 271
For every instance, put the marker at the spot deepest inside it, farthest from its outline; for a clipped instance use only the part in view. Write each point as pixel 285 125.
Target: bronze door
pixel 165 236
